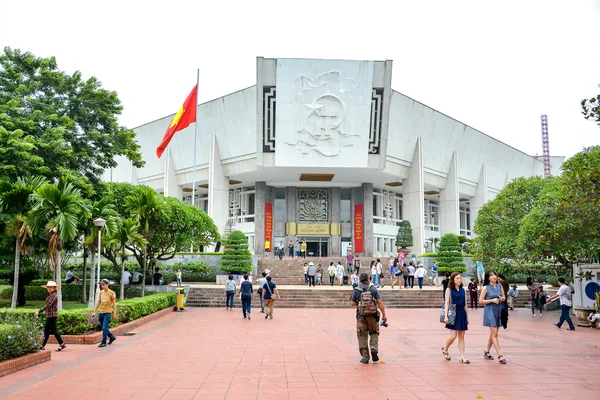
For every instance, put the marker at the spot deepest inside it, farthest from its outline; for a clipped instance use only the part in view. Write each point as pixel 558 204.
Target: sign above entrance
pixel 313 229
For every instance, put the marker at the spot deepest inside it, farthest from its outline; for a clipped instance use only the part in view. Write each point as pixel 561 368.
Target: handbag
pixel 451 312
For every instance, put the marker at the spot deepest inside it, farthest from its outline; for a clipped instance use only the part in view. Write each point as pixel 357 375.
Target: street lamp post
pixel 99 222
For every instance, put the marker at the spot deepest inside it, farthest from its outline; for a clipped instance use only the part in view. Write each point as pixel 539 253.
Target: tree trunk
pixel 13 303
pixel 92 294
pixel 83 276
pixel 122 296
pixel 144 275
pixel 58 279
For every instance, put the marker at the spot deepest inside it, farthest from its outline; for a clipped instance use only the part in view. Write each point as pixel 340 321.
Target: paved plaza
pixel 312 354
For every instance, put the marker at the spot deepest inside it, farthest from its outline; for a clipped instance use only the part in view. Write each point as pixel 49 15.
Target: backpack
pixel 366 303
pixel 331 272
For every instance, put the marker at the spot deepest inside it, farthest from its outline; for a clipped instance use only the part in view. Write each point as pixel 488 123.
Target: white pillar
pixel 481 195
pixel 449 200
pixel 218 188
pixel 171 187
pixel 414 199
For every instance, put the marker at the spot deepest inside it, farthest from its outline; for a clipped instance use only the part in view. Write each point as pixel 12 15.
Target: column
pixel 291 204
pixel 218 188
pixel 336 241
pixel 414 200
pixel 449 200
pixel 357 195
pixel 259 217
pixel 481 195
pixel 368 218
pixel 170 188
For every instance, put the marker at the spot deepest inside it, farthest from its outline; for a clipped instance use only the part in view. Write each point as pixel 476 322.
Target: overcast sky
pixel 493 65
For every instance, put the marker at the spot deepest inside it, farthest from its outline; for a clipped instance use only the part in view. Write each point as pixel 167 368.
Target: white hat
pixel 311 263
pixel 51 284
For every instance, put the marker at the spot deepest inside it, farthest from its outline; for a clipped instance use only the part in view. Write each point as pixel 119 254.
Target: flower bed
pixel 19 335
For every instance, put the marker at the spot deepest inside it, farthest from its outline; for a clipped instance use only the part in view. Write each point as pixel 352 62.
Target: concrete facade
pixel 314 138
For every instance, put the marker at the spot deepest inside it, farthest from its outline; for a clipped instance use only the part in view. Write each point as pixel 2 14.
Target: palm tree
pixel 145 206
pixel 15 198
pixel 104 209
pixel 57 210
pixel 126 234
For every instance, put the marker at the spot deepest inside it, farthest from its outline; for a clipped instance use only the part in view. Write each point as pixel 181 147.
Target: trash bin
pixel 179 299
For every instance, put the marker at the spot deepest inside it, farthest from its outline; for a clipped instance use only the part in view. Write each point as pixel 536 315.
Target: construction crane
pixel 545 146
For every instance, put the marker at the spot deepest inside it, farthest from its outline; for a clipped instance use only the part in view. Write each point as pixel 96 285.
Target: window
pixel 387 207
pixel 465 220
pixel 345 206
pixel 241 204
pixel 280 209
pixel 432 215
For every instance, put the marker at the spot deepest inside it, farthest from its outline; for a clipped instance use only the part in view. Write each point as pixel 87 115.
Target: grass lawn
pixel 2 287
pixel 36 305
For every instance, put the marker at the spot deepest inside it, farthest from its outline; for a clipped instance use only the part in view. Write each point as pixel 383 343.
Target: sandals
pixel 501 359
pixel 487 355
pixel 464 360
pixel 446 355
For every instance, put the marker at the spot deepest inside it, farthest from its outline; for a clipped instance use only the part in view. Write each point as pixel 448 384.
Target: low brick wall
pixel 26 361
pixel 94 338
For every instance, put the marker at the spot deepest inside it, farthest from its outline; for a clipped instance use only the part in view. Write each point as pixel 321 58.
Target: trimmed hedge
pixel 69 292
pixel 79 322
pixel 450 257
pixel 19 334
pixel 236 258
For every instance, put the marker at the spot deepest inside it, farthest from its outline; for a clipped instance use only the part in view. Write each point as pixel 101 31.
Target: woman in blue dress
pixel 455 294
pixel 492 295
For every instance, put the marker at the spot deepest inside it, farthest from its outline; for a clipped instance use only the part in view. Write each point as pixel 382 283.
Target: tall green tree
pixel 15 198
pixel 57 210
pixel 126 234
pixel 56 124
pixel 148 209
pixel 498 222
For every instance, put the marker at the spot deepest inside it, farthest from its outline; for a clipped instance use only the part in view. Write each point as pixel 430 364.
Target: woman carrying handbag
pixel 455 295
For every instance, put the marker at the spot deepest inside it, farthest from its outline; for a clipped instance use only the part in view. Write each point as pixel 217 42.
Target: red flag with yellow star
pixel 184 117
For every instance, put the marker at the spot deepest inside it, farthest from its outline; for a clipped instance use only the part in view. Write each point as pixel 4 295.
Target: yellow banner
pixel 313 229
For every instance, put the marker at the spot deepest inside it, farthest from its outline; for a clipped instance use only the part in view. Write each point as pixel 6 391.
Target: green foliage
pixel 54 124
pixel 202 253
pixel 590 108
pixel 450 258
pixel 16 340
pixel 236 258
pixel 428 255
pixel 404 238
pixel 497 224
pixel 130 310
pixel 69 292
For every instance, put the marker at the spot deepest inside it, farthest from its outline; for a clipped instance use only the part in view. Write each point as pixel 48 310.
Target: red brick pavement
pixel 312 354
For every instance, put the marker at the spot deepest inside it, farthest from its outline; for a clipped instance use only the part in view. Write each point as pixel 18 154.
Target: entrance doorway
pixel 317 246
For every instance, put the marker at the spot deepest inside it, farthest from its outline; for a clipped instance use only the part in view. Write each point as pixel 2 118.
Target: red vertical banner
pixel 358 229
pixel 269 223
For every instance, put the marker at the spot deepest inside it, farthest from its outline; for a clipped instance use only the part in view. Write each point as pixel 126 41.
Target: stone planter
pixel 581 315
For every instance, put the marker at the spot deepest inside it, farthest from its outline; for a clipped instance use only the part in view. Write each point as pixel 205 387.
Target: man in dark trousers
pixel 367 300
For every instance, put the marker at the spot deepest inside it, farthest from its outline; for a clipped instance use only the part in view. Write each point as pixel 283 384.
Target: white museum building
pixel 327 152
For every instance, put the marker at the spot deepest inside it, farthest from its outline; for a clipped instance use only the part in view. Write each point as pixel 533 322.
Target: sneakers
pixel 374 355
pixel 266 315
pixel 110 341
pixel 262 311
pixel 534 315
pixel 102 345
pixel 364 360
pixel 270 317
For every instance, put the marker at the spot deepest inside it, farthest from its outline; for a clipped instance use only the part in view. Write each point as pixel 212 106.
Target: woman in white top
pixel 373 272
pixel 420 274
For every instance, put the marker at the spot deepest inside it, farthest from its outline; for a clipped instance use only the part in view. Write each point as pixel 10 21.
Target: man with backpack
pixel 367 300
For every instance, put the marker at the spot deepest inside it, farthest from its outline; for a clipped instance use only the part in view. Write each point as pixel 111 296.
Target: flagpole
pixel 195 138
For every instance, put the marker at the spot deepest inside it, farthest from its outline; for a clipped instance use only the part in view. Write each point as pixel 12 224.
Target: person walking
pixel 51 311
pixel 513 295
pixel 297 249
pixel 420 274
pixel 261 283
pixel 267 247
pixel 411 274
pixel 107 303
pixel 331 270
pixel 405 274
pixel 473 293
pixel 455 294
pixel 566 302
pixel 354 278
pixel 492 295
pixel 229 292
pixel 535 288
pixel 303 249
pixel 357 264
pixel 367 300
pixel 391 267
pixel 270 292
pixel 350 261
pixel 434 274
pixel 281 250
pixel 480 271
pixel 340 273
pixel 246 296
pixel 373 269
pixel 291 249
pixel 397 273
pixel 311 274
pixel 305 268
pixel 319 275
pixel 379 273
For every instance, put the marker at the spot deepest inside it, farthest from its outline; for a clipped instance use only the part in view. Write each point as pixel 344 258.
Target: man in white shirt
pixel 378 271
pixel 566 302
pixel 126 277
pixel 420 274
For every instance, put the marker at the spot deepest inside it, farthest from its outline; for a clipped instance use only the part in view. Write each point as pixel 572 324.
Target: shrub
pixel 16 340
pixel 404 238
pixel 428 255
pixel 450 257
pixel 69 292
pixel 133 309
pixel 236 258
